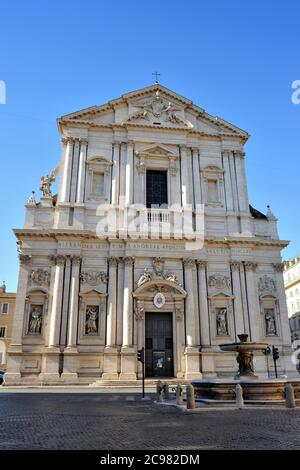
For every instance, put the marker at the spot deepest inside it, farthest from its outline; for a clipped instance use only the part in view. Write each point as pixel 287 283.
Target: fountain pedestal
pixel 245 356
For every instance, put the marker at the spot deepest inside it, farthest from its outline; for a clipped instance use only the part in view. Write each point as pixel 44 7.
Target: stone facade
pixel 7 310
pixel 86 291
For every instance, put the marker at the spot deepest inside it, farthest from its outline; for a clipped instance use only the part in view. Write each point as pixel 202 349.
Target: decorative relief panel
pixel 219 282
pixel 266 284
pixel 40 277
pixel 93 278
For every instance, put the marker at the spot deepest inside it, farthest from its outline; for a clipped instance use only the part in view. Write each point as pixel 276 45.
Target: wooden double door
pixel 159 345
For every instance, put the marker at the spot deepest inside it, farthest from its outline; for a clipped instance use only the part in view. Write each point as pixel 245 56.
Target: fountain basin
pixel 254 391
pixel 243 347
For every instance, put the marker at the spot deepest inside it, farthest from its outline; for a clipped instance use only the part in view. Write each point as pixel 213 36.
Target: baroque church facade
pixel 118 259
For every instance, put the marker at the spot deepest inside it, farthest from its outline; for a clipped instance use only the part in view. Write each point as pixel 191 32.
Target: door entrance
pixel 159 345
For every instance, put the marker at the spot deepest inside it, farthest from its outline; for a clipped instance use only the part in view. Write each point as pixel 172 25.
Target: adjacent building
pixel 7 308
pixel 292 291
pixel 150 242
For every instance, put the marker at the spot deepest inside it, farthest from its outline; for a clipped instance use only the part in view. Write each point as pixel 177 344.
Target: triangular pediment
pixel 156 150
pixel 152 106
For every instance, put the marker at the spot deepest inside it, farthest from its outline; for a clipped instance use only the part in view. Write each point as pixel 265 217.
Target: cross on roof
pixel 156 76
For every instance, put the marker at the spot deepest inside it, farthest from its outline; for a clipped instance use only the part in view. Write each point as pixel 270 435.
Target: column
pixel 65 305
pixel 57 302
pixel 180 338
pixel 196 177
pixel 203 305
pixel 120 302
pixel 192 355
pixel 184 176
pixel 67 170
pixel 81 170
pixel 112 303
pixel 74 171
pixel 115 174
pixel 127 302
pixel 233 182
pixel 253 301
pixel 284 320
pixel 241 182
pixel 246 226
pixel 128 354
pixel 74 301
pixel 139 314
pixel 189 266
pixel 238 305
pixel 70 364
pixel 14 359
pixel 227 181
pixel 129 173
pixel 50 361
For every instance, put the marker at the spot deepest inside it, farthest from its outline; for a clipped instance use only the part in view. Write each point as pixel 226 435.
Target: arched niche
pixel 35 313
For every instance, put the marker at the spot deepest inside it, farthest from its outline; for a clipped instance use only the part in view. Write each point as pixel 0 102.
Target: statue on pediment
pixel 145 277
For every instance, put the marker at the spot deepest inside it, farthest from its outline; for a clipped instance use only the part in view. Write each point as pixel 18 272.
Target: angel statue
pixel 45 184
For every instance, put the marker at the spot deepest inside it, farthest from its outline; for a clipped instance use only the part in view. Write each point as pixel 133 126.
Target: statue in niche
pixel 35 322
pixel 270 323
pixel 91 324
pixel 45 184
pixel 222 328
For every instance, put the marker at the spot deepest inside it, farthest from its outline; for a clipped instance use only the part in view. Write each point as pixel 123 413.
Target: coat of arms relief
pixel 158 107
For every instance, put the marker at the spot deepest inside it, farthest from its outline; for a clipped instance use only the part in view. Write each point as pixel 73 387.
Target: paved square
pixel 105 421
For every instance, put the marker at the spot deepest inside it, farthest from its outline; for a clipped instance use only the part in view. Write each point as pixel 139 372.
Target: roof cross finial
pixel 156 77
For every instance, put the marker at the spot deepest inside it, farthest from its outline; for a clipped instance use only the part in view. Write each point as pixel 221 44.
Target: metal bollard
pixel 159 392
pixel 190 397
pixel 290 401
pixel 239 396
pixel 166 391
pixel 179 394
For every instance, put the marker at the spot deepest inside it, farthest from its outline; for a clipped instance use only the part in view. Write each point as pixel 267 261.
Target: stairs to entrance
pixel 149 383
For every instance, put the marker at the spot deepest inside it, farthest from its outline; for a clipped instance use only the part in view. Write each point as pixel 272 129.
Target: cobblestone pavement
pixel 106 422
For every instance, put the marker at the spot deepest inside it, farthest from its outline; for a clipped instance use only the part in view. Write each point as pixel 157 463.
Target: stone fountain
pixel 245 356
pixel 255 390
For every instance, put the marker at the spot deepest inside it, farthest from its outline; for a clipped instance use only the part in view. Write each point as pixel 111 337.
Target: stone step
pixel 149 383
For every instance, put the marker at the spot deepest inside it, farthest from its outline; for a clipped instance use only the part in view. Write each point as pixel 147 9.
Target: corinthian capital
pixel 250 266
pixel 76 260
pixel 279 267
pixel 24 259
pixel 201 264
pixel 235 265
pixel 113 261
pixel 129 260
pixel 189 263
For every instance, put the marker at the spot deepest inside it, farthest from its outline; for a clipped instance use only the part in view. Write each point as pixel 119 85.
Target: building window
pixel 98 184
pixel 291 294
pixel 4 309
pixel 156 188
pixel 2 331
pixel 297 292
pixel 212 191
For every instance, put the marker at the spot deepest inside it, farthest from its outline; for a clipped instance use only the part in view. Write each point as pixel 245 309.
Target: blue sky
pixel 235 59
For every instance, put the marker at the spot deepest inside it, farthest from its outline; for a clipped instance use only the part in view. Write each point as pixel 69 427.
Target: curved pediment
pixel 160 285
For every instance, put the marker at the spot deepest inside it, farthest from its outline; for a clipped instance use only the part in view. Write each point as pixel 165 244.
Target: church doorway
pixel 159 345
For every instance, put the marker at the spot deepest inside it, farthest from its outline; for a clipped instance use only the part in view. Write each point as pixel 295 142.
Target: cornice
pixel 229 242
pixel 128 125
